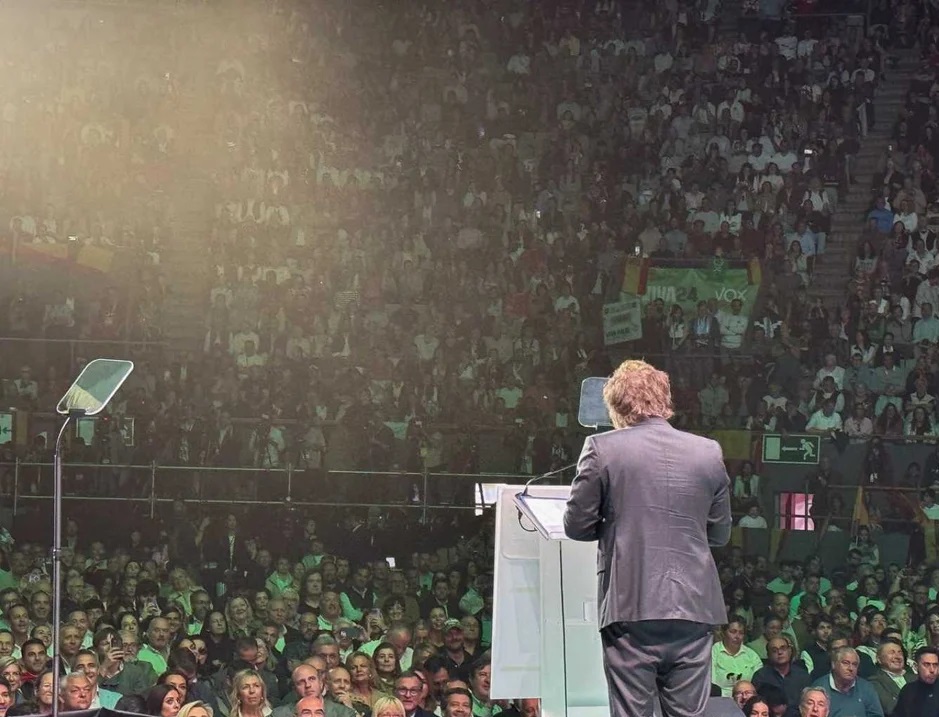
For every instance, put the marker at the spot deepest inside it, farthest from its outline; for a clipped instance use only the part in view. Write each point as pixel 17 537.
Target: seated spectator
pixel 753 518
pixel 733 661
pixel 825 420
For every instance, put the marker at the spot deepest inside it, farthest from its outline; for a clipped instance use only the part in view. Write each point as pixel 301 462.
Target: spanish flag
pixel 95 258
pixel 43 253
pixel 635 275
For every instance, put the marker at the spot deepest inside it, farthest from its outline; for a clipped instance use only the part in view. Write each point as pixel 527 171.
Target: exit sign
pixel 802 450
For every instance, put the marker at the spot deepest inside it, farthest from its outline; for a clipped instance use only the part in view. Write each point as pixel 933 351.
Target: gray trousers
pixel 668 659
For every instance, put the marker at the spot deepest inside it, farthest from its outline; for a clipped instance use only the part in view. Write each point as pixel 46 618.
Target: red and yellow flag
pixel 635 275
pixel 860 515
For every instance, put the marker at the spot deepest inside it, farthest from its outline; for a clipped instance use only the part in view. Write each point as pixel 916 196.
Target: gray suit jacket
pixel 656 499
pixel 332 709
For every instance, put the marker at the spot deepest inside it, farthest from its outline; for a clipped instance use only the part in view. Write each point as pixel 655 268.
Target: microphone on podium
pixel 539 478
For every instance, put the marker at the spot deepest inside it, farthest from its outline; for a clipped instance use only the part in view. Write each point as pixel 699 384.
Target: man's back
pixel 656 499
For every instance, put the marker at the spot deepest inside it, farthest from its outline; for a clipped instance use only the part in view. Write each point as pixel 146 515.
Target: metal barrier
pixel 63 354
pixel 155 484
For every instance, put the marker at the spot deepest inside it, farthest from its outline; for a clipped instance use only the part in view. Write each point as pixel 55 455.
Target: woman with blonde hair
pixel 902 618
pixel 239 616
pixel 181 589
pixel 248 696
pixel 386 706
pixel 44 692
pixel 11 671
pixel 196 709
pixel 365 685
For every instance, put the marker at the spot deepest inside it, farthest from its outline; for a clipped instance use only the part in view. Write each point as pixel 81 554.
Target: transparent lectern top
pixel 95 386
pixel 546 513
pixel 591 412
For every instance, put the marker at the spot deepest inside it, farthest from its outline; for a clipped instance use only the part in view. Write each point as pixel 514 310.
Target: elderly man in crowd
pixel 76 692
pixel 847 693
pixel 309 681
pixel 892 674
pixel 814 703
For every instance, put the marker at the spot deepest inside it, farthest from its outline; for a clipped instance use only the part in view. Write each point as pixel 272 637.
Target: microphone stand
pixel 539 478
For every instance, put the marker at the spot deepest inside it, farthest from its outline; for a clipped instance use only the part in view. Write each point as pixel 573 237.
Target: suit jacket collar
pixel 652 421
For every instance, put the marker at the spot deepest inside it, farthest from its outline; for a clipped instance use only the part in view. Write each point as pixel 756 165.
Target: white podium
pixel 545 641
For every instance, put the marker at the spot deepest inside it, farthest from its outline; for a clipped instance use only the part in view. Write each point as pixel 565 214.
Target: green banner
pixel 686 287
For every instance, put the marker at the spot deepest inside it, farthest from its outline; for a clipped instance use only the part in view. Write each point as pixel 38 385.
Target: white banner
pixel 622 321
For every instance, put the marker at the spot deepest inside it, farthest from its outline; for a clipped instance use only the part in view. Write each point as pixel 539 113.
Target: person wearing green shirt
pixel 280 579
pixel 782 583
pixel 812 586
pixel 155 652
pixel 480 679
pixel 731 660
pixel 314 555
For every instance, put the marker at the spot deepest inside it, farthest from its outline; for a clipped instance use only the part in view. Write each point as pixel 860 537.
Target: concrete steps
pixel 833 270
pixel 184 262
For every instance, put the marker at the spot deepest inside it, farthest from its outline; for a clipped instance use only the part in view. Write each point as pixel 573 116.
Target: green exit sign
pixel 803 450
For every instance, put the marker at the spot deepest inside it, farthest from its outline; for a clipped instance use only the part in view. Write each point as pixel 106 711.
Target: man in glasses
pixel 408 688
pixel 782 672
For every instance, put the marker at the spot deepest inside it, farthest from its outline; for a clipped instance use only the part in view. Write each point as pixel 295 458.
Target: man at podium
pixel 656 499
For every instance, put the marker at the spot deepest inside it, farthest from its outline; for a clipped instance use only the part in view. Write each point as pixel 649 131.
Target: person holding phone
pixel 349 636
pixel 114 673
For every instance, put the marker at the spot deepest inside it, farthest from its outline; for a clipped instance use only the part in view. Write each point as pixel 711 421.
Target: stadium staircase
pixel 833 270
pixel 184 257
pixel 186 303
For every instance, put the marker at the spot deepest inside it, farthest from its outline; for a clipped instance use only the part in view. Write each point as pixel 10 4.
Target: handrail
pixel 884 437
pixel 286 497
pixel 119 342
pixel 153 500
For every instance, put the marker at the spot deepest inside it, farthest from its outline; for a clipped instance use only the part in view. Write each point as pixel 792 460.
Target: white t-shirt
pixel 733 327
pixel 819 421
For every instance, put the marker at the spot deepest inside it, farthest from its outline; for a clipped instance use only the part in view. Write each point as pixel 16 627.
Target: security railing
pixel 28 483
pixel 31 481
pixel 65 355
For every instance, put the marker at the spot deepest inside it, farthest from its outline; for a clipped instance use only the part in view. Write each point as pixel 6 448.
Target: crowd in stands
pixel 212 618
pixel 862 639
pixel 417 214
pixel 456 191
pixel 84 157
